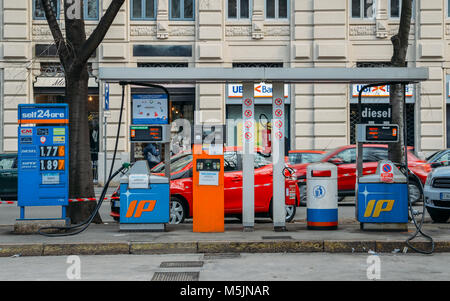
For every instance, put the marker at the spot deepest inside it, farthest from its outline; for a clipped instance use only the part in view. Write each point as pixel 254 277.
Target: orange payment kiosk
pixel 208 179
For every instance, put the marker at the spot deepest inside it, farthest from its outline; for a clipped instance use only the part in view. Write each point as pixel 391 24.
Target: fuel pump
pixel 382 199
pixel 158 133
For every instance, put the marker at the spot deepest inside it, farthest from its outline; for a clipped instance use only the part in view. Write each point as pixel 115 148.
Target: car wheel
pixel 415 192
pixel 303 195
pixel 291 210
pixel 177 211
pixel 437 215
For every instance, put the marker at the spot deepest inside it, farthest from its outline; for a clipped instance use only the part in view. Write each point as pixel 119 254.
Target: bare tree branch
pixel 56 32
pixel 100 31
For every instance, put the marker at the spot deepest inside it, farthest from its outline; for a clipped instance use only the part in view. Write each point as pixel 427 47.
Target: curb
pixel 285 246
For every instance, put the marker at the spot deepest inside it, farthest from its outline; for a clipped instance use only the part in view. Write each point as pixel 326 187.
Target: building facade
pixel 233 34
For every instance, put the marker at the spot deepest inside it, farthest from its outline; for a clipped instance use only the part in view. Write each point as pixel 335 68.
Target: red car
pixel 304 156
pixel 181 205
pixel 345 159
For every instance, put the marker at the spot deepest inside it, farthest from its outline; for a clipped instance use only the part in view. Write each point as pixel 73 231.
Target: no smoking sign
pixel 248 113
pixel 278 101
pixel 248 102
pixel 279 113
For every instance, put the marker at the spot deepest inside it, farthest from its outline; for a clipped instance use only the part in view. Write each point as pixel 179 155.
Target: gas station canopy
pixel 286 75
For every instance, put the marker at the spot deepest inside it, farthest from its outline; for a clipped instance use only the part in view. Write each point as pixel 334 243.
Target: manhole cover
pixel 181 264
pixel 277 237
pixel 221 256
pixel 176 276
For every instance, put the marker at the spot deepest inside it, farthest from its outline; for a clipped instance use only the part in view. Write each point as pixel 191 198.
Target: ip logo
pixel 319 192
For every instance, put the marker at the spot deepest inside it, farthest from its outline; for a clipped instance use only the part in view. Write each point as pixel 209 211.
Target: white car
pixel 437 194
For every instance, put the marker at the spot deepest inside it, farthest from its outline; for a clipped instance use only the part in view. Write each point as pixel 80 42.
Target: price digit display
pixel 52 164
pixel 52 151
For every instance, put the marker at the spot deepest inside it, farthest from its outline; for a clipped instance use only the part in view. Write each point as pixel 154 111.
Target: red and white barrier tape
pixel 70 200
pixel 7 202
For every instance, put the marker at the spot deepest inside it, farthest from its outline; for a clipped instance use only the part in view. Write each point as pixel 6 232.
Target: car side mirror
pixel 436 164
pixel 336 161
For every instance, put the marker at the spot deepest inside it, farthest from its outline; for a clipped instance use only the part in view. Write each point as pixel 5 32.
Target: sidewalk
pixel 107 239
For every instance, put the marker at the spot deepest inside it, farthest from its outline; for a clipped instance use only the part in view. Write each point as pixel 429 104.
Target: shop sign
pixel 380 91
pixel 261 90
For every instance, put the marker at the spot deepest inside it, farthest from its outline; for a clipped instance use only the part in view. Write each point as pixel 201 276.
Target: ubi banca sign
pixel 380 91
pixel 261 90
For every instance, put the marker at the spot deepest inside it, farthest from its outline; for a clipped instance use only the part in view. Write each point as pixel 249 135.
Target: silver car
pixel 437 194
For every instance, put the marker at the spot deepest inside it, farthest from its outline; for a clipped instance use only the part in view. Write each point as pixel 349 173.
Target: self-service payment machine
pixel 43 157
pixel 208 179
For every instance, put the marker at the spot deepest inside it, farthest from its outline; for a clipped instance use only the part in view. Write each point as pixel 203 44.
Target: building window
pixel 448 8
pixel 277 9
pixel 363 9
pixel 182 9
pixel 38 9
pixel 238 9
pixel 395 8
pixel 258 65
pixel 143 9
pixel 90 8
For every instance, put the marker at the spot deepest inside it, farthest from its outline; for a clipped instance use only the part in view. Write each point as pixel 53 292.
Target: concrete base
pixel 143 227
pixel 392 227
pixel 279 229
pixel 32 226
pixel 248 229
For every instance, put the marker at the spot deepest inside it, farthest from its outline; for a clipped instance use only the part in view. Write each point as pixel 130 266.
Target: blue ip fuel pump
pixel 382 199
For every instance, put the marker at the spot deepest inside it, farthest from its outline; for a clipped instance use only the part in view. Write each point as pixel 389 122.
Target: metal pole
pixel 278 145
pixel 248 157
pixel 105 140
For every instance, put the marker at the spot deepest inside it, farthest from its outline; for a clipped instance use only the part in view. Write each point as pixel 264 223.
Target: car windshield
pixel 6 163
pixel 435 156
pixel 297 158
pixel 176 164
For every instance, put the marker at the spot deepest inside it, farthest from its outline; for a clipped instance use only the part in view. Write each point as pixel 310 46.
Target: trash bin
pixel 321 196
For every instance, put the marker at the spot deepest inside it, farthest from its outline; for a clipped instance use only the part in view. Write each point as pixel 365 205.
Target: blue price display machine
pixel 43 157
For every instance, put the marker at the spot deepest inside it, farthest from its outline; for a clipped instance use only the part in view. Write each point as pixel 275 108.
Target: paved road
pixel 258 267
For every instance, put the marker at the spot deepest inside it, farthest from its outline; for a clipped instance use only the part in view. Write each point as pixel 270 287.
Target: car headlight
pixel 428 180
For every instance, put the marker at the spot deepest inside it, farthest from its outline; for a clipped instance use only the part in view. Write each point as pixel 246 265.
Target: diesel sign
pixel 376 113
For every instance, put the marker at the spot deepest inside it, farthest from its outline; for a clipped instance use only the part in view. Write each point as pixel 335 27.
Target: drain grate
pixel 181 264
pixel 277 237
pixel 221 256
pixel 176 276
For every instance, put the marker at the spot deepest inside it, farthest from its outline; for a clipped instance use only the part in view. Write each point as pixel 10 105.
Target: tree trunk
pixel 400 43
pixel 80 166
pixel 74 52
